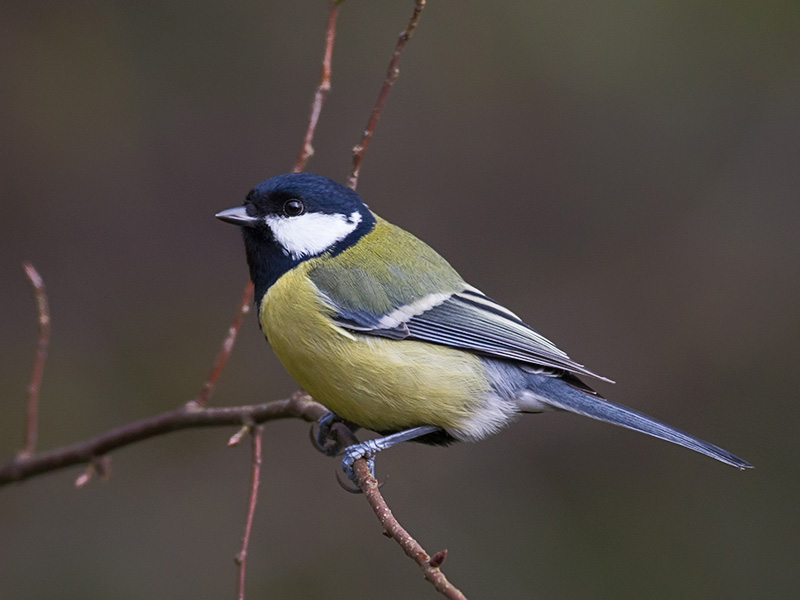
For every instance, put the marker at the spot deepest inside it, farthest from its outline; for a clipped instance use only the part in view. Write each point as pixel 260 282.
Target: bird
pixel 378 327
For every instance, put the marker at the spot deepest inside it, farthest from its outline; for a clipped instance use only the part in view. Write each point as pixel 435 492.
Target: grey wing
pixel 472 321
pixel 467 320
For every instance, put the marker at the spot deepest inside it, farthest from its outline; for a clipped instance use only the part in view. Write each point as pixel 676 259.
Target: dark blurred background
pixel 624 175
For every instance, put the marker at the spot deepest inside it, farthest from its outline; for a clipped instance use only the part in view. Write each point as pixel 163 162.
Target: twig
pixel 227 346
pixel 194 414
pixel 307 150
pixel 391 76
pixel 187 416
pixel 100 465
pixel 255 477
pixel 430 565
pixel 43 311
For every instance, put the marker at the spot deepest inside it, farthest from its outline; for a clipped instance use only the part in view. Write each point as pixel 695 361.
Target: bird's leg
pixel 370 448
pixel 323 440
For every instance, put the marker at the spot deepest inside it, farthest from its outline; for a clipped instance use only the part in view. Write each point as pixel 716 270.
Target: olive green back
pixel 402 269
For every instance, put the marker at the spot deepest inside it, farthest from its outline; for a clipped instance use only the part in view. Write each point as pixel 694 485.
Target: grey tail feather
pixel 559 394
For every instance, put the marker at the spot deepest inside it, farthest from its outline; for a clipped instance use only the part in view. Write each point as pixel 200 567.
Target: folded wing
pixel 467 320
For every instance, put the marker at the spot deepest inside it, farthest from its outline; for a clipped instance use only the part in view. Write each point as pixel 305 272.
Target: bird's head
pixel 289 218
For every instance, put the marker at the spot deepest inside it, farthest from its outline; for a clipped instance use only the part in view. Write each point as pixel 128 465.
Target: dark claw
pixel 353 489
pixel 330 448
pixel 347 485
pixel 321 437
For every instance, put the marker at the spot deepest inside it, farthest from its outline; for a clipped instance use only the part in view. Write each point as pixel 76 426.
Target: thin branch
pixel 255 477
pixel 188 416
pixel 100 465
pixel 391 76
pixel 307 150
pixel 94 452
pixel 43 311
pixel 227 346
pixel 430 565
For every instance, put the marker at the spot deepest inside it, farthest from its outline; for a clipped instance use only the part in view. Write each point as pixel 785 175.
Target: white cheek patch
pixel 312 233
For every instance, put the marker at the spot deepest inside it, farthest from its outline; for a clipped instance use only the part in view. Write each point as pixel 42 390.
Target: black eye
pixel 293 208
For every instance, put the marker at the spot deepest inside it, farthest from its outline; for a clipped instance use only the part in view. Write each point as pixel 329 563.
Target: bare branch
pixel 307 150
pixel 431 566
pixel 227 346
pixel 391 76
pixel 43 311
pixel 255 477
pixel 188 416
pixel 94 452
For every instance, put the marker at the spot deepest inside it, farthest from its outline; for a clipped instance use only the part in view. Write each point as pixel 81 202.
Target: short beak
pixel 237 216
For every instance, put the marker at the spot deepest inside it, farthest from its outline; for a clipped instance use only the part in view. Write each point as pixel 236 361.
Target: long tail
pixel 559 394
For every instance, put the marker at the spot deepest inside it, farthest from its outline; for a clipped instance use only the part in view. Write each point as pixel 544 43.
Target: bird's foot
pixel 322 436
pixel 366 450
pixel 370 448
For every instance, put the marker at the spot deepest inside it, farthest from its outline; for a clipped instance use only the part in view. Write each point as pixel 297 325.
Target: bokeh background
pixel 624 175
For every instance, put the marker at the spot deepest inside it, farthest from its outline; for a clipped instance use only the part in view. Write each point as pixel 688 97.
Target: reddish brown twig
pixel 255 478
pixel 195 414
pixel 43 311
pixel 307 150
pixel 431 567
pixel 227 346
pixel 391 76
pixel 187 416
pixel 391 527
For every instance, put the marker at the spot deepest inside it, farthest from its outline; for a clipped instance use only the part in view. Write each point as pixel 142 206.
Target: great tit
pixel 382 331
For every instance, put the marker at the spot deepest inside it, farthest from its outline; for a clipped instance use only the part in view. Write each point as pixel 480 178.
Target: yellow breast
pixel 380 384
